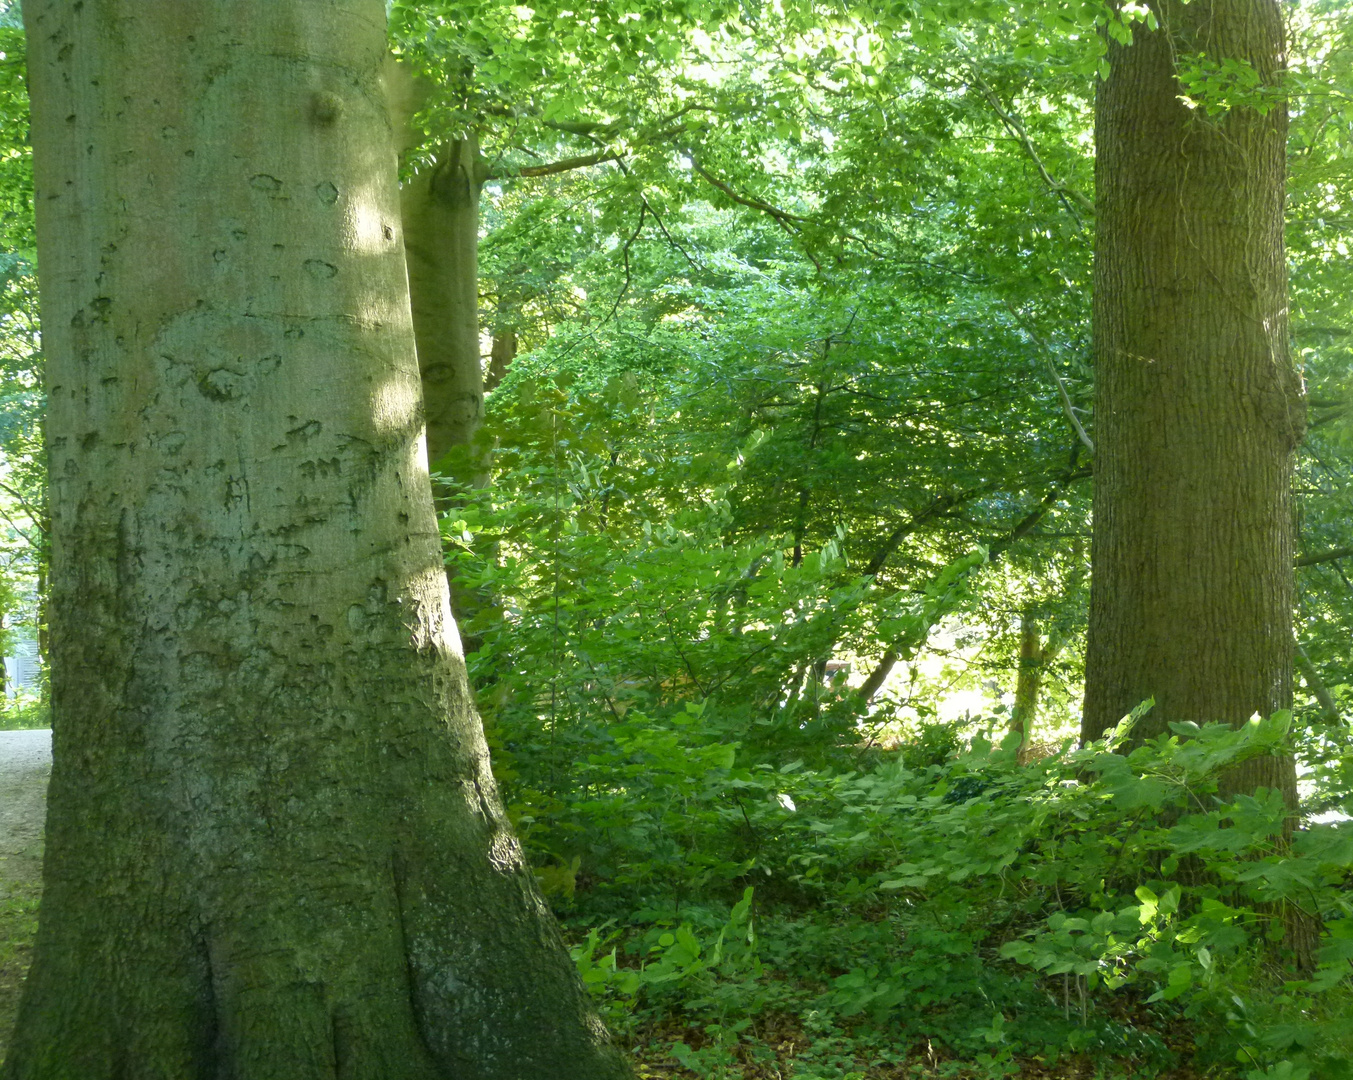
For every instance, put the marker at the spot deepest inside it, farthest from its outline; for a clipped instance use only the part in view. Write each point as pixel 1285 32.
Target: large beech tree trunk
pixel 274 847
pixel 1198 408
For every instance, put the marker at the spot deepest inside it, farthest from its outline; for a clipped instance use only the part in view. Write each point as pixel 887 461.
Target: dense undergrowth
pixel 949 906
pixel 768 876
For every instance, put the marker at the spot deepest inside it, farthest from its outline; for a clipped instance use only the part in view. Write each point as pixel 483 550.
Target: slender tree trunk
pixel 439 207
pixel 1198 408
pixel 274 847
pixel 439 210
pixel 1028 681
pixel 501 354
pixel 1034 657
pixel 800 524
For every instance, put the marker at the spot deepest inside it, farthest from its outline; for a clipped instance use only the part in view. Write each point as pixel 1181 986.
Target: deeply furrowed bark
pixel 274 847
pixel 1198 407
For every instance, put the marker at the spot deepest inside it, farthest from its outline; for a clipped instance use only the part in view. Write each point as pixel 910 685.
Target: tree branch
pixel 879 675
pixel 1315 684
pixel 625 251
pixel 1027 523
pixel 1067 407
pixel 791 223
pixel 582 161
pixel 662 228
pixel 33 515
pixel 938 507
pixel 1022 528
pixel 554 168
pixel 1324 557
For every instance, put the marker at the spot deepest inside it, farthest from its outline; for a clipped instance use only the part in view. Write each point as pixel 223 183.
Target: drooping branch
pixel 1030 521
pixel 791 222
pixel 939 507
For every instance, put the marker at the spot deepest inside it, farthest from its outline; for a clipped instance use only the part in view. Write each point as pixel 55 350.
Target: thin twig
pixel 32 514
pixel 625 251
pixel 1068 195
pixel 1052 370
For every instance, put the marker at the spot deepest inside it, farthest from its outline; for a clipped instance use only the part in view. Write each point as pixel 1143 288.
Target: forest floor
pixel 25 764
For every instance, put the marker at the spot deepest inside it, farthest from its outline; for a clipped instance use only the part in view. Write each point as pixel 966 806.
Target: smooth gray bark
pixel 440 213
pixel 274 846
pixel 439 210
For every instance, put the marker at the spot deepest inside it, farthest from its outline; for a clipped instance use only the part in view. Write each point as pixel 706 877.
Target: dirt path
pixel 25 762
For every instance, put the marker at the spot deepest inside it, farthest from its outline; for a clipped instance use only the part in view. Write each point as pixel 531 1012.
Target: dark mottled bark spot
pixel 325 108
pixel 221 385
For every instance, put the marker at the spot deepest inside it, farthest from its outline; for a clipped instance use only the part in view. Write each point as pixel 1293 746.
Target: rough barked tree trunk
pixel 1198 408
pixel 274 847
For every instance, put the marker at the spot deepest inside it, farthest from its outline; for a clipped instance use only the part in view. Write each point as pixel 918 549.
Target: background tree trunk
pixel 274 847
pixel 501 354
pixel 439 211
pixel 1198 408
pixel 439 206
pixel 1027 681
